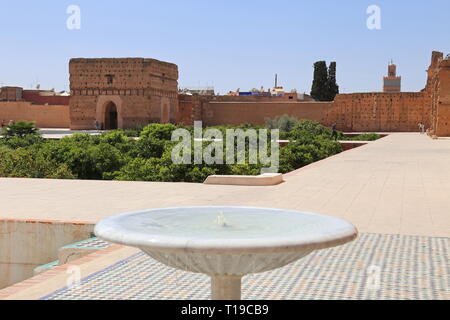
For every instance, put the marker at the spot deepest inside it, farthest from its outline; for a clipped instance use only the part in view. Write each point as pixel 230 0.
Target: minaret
pixel 392 83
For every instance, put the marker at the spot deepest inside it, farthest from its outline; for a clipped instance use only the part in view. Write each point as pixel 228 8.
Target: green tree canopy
pixel 332 87
pixel 324 87
pixel 319 86
pixel 19 129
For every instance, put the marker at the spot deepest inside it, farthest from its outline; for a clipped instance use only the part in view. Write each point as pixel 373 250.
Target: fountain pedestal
pixel 225 243
pixel 225 287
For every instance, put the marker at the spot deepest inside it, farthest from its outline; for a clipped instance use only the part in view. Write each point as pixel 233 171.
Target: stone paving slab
pixel 409 267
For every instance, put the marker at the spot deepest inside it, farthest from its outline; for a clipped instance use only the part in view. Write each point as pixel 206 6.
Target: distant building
pixel 304 97
pixel 46 97
pixel 254 92
pixel 277 91
pixel 392 83
pixel 273 94
pixel 42 97
pixel 198 91
pixel 11 93
pixel 122 92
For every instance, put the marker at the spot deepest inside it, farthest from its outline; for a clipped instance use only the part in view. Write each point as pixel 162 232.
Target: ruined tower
pixel 438 89
pixel 122 92
pixel 392 83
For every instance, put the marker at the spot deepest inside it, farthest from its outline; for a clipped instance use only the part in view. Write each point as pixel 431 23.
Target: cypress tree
pixel 324 87
pixel 332 87
pixel 319 86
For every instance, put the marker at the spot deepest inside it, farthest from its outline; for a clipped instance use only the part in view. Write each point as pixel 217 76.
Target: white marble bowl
pixel 249 240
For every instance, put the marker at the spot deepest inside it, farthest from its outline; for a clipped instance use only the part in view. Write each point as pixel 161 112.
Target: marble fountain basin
pixel 225 243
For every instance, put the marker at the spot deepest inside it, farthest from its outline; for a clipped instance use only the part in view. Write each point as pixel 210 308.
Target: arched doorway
pixel 111 118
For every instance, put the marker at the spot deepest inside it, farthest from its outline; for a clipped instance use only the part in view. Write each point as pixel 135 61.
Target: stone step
pixel 72 252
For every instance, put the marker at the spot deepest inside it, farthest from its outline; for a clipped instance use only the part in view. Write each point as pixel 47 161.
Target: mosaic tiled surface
pixel 92 243
pixel 47 266
pixel 408 267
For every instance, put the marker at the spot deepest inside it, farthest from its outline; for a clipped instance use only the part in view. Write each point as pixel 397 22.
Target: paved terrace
pixel 397 185
pixel 55 133
pixel 395 190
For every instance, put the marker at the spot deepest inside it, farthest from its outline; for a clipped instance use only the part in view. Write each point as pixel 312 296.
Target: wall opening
pixel 111 116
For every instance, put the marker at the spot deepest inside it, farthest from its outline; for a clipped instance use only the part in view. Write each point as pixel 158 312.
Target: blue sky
pixel 229 44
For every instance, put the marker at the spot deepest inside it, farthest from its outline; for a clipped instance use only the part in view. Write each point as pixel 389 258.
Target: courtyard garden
pixel 145 153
